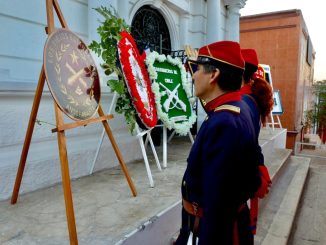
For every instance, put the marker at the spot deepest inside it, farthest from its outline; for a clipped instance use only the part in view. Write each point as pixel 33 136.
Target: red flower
pixel 139 85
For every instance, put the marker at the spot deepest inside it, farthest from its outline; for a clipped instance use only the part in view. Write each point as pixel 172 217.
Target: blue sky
pixel 313 12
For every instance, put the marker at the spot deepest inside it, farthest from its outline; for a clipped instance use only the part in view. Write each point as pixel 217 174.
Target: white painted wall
pixel 22 38
pixel 21 51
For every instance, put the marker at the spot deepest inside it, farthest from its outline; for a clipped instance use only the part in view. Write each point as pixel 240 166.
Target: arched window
pixel 148 28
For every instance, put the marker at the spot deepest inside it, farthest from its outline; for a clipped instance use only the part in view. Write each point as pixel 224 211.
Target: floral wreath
pixel 137 80
pixel 181 128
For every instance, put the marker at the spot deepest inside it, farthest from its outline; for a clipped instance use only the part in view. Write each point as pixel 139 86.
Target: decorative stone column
pixel 213 21
pixel 184 30
pixel 233 18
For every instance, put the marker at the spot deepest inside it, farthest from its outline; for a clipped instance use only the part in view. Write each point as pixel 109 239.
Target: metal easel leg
pixel 164 147
pixel 114 99
pixel 171 136
pixel 148 137
pixel 191 137
pixel 142 146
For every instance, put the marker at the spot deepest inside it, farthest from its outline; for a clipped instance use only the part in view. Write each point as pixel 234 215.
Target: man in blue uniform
pixel 257 94
pixel 222 171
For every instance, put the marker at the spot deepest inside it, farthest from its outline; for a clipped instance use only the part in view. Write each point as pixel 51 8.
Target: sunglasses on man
pixel 192 65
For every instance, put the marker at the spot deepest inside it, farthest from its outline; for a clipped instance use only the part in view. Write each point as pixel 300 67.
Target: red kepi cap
pixel 225 54
pixel 250 56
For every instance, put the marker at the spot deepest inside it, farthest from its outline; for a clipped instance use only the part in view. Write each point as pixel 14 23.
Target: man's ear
pixel 214 75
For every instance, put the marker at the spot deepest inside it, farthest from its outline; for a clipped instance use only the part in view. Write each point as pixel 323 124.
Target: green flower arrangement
pixel 109 32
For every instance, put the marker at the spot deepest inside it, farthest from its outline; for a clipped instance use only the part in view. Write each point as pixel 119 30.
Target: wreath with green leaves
pixel 109 32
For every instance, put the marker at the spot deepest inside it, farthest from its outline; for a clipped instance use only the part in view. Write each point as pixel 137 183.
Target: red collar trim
pixel 246 89
pixel 224 98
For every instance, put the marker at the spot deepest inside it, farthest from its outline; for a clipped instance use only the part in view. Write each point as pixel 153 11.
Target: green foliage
pixel 309 119
pixel 117 86
pixel 317 115
pixel 109 32
pixel 122 107
pixel 320 106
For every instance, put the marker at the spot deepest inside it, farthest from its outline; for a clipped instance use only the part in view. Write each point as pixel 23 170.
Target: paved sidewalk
pixel 310 224
pixel 105 210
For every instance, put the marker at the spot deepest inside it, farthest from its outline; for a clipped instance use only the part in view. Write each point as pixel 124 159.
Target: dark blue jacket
pixel 255 116
pixel 222 172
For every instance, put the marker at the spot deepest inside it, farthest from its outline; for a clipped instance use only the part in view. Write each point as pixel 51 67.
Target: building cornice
pixel 268 28
pixel 239 3
pixel 181 6
pixel 272 15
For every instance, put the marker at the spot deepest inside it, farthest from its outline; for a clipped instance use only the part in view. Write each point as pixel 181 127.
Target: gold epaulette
pixel 231 108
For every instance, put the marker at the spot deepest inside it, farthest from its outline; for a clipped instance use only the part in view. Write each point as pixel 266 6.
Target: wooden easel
pixel 274 123
pixel 60 130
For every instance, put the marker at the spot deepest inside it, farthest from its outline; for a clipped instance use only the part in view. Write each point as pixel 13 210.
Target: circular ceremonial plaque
pixel 71 75
pixel 138 83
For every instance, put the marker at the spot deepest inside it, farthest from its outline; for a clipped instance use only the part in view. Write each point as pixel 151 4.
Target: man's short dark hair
pixel 230 78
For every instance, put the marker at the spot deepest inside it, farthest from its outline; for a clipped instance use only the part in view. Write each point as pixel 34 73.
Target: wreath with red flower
pixel 137 80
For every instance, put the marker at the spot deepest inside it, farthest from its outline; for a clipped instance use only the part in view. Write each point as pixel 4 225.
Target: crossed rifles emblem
pixel 173 100
pixel 77 76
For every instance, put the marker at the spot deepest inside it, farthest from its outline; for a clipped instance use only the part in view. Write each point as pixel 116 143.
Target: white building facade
pixel 22 39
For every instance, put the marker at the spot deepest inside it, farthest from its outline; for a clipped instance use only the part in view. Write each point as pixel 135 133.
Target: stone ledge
pixel 280 228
